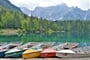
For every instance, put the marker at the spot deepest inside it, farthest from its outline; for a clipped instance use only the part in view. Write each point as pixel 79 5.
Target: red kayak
pixel 48 53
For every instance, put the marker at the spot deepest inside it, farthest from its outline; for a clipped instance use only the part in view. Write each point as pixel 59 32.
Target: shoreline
pixel 85 58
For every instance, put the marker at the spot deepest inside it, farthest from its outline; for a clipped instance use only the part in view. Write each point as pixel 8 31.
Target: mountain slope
pixel 7 4
pixel 59 12
pixel 88 14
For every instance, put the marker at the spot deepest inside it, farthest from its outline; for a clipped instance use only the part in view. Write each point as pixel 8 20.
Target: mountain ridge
pixel 59 12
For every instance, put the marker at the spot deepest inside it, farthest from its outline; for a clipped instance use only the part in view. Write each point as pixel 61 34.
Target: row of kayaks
pixel 43 49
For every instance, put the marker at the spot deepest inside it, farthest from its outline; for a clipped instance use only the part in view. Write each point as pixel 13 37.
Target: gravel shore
pixel 46 59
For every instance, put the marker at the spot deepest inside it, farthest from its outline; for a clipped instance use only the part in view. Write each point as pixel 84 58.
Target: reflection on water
pixel 59 36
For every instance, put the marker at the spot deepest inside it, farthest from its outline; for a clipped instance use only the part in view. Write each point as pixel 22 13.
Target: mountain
pixel 59 12
pixel 88 15
pixel 7 4
pixel 25 11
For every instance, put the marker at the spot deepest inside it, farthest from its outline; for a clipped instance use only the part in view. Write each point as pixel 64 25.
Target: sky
pixel 32 4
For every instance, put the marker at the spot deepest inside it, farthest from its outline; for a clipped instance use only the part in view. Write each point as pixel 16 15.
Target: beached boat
pixel 17 52
pixel 64 53
pixel 5 48
pixel 77 52
pixel 48 53
pixel 66 45
pixel 43 45
pixel 31 54
pixel 69 54
pixel 38 49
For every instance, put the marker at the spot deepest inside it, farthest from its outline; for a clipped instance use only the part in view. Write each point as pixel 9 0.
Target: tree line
pixel 16 20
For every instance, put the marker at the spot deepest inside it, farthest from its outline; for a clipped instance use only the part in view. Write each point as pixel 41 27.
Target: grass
pixel 8 32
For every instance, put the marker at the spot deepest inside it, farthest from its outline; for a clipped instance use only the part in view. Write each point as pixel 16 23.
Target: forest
pixel 17 20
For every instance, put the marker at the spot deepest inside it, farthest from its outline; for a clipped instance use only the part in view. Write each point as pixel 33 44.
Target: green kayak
pixel 15 54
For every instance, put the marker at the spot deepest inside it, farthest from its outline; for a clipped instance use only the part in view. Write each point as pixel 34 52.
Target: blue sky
pixel 32 4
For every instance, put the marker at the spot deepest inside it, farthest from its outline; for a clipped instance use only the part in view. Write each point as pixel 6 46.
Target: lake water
pixel 57 37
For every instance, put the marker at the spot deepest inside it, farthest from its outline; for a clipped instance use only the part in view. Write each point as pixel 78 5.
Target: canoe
pixel 70 45
pixel 76 55
pixel 72 55
pixel 38 48
pixel 31 54
pixel 66 45
pixel 17 52
pixel 48 53
pixel 2 54
pixel 43 45
pixel 64 53
pixel 77 52
pixel 5 48
pixel 14 54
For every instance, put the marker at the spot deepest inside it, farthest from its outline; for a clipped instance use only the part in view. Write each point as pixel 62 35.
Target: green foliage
pixel 10 19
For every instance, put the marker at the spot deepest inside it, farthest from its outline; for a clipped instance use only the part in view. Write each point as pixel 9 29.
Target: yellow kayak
pixel 31 54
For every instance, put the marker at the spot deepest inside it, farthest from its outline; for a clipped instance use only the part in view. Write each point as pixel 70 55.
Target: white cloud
pixel 46 3
pixel 71 2
pixel 84 4
pixel 31 4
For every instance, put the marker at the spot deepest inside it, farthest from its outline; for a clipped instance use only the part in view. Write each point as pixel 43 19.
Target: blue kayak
pixel 2 54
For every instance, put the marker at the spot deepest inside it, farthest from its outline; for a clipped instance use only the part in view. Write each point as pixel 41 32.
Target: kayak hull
pixel 17 54
pixel 48 55
pixel 2 54
pixel 31 54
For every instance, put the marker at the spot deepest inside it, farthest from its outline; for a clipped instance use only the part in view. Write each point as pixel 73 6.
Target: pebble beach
pixel 46 58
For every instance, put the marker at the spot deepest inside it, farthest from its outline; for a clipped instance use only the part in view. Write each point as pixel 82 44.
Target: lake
pixel 57 37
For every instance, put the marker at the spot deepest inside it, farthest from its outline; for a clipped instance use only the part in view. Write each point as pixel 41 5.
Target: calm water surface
pixel 57 37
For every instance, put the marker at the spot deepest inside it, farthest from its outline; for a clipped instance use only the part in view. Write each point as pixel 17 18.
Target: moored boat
pixel 77 52
pixel 66 45
pixel 48 53
pixel 17 52
pixel 64 53
pixel 43 45
pixel 5 48
pixel 38 49
pixel 31 54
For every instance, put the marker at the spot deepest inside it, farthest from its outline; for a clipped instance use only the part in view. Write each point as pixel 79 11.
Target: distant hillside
pixel 59 12
pixel 7 4
pixel 11 19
